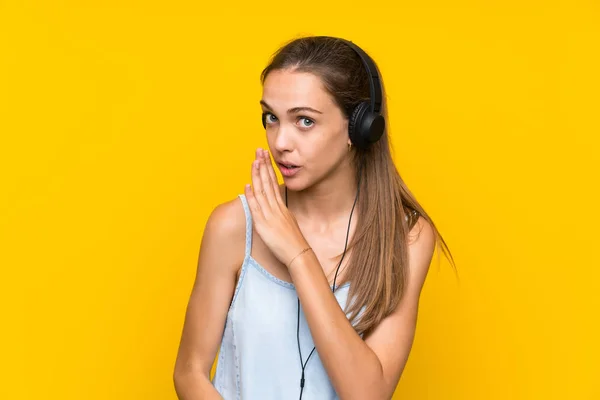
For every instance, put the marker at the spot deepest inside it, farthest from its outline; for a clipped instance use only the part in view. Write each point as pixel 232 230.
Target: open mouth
pixel 288 166
pixel 288 170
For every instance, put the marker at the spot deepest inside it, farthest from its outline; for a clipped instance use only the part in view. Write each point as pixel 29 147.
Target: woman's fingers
pixel 269 182
pixel 265 196
pixel 274 181
pixel 265 193
pixel 255 194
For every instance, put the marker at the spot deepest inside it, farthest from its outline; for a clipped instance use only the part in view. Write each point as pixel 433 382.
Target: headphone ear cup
pixel 373 126
pixel 365 127
pixel 354 124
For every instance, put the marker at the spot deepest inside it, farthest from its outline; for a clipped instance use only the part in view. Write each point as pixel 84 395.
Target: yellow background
pixel 123 123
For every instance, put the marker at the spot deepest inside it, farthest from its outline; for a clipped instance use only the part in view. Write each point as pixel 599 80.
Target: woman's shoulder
pixel 226 227
pixel 228 219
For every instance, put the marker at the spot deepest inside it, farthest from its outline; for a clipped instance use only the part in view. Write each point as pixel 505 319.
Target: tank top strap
pixel 248 226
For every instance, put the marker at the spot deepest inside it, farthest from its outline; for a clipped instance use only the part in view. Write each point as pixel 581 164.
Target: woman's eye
pixel 270 117
pixel 308 122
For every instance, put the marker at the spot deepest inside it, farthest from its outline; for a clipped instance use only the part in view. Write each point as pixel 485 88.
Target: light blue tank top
pixel 258 358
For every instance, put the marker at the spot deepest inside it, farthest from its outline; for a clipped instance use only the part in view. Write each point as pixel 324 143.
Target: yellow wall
pixel 125 122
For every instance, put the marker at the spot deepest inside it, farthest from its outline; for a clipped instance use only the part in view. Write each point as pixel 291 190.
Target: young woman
pixel 300 296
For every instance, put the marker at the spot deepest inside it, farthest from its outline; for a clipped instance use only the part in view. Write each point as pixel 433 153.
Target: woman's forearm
pixel 354 369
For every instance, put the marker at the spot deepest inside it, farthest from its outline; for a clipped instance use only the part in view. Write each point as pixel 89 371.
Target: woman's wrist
pixel 302 252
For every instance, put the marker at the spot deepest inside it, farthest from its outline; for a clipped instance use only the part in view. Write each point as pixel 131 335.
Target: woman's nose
pixel 283 138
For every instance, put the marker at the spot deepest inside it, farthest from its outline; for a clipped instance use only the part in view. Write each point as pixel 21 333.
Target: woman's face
pixel 304 127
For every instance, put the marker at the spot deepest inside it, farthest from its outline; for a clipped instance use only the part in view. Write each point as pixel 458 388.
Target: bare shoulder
pixel 225 231
pixel 228 218
pixel 421 245
pixel 421 233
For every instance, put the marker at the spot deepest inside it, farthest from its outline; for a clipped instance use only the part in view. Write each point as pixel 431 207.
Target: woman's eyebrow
pixel 293 110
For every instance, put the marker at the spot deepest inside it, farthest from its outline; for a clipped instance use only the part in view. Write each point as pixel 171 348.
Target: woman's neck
pixel 320 208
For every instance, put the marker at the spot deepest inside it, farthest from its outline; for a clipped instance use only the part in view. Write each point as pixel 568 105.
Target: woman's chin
pixel 293 184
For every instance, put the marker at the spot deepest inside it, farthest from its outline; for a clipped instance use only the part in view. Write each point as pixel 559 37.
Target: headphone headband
pixel 374 81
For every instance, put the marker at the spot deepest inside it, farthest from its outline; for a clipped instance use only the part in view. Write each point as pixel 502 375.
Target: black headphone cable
pixel 303 364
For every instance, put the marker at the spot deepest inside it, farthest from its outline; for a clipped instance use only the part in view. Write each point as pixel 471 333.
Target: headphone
pixel 365 124
pixel 365 127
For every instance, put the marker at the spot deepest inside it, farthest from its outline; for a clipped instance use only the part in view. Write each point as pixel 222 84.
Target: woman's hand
pixel 275 224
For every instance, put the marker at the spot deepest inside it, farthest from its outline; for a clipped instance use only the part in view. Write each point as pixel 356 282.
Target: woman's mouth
pixel 288 170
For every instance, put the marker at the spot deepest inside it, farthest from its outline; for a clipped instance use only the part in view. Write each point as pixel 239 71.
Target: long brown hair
pixel 386 209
